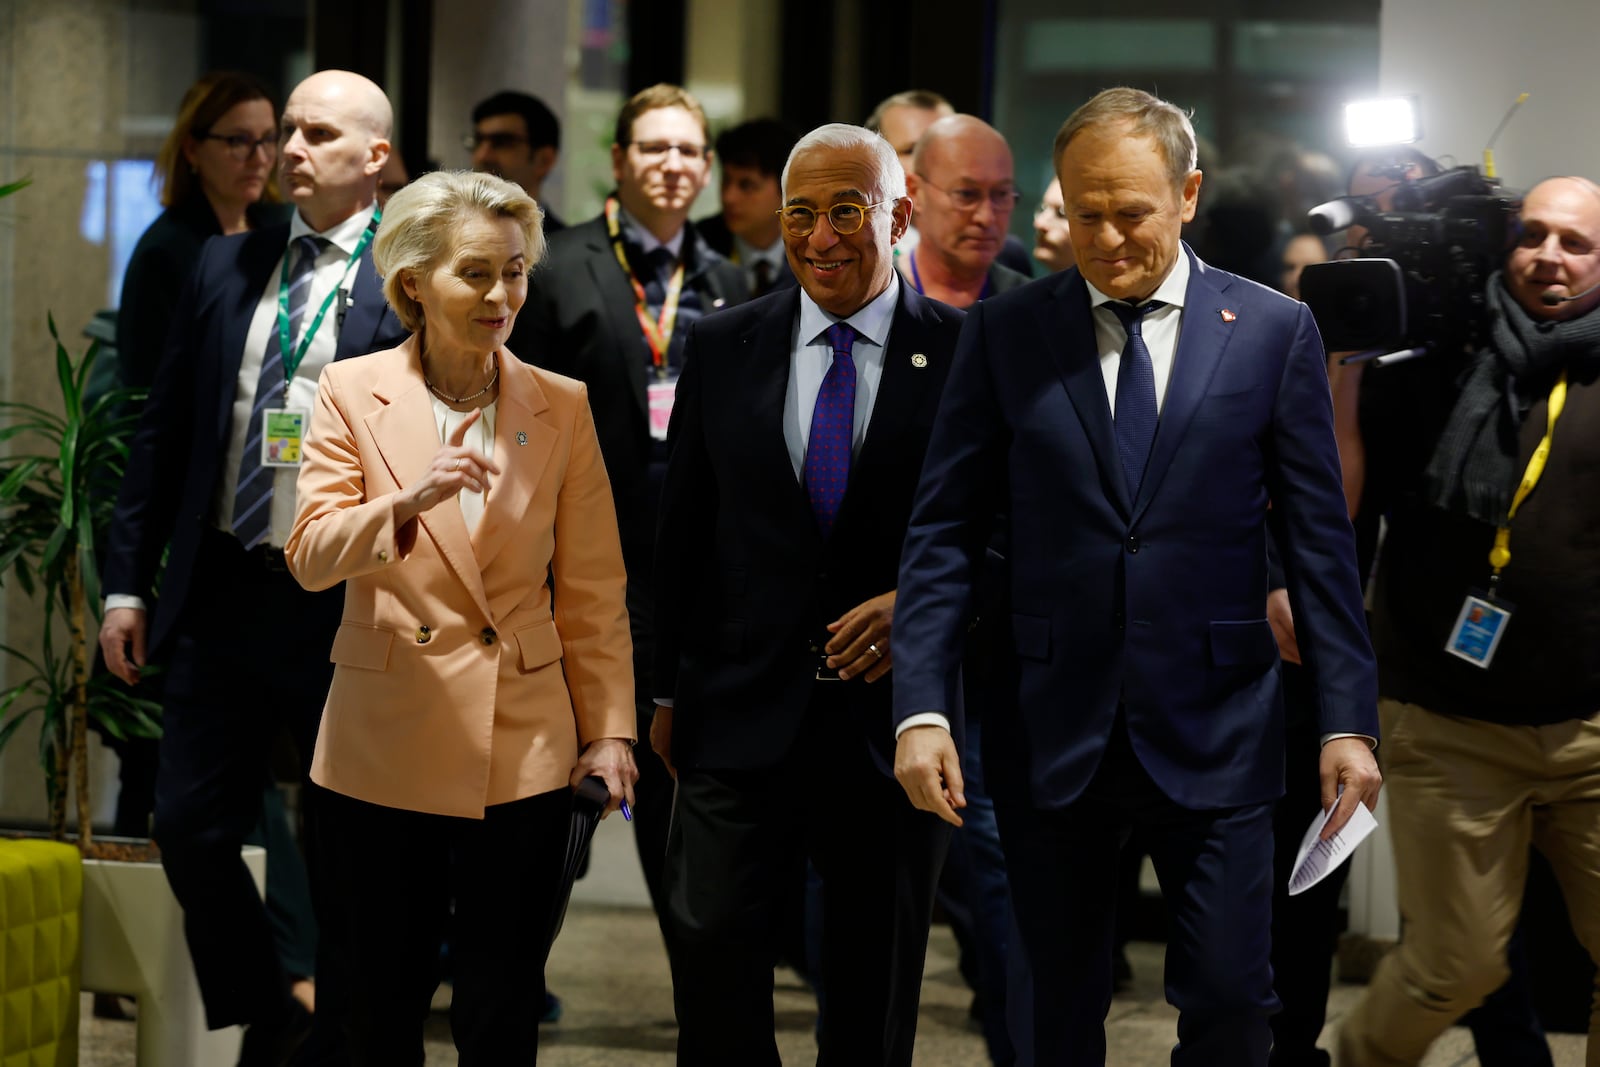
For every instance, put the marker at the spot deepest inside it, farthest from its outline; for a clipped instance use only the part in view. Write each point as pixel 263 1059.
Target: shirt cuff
pixel 1372 742
pixel 663 702
pixel 123 600
pixel 924 718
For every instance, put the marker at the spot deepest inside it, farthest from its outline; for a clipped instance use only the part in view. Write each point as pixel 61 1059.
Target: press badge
pixel 661 393
pixel 1478 629
pixel 283 434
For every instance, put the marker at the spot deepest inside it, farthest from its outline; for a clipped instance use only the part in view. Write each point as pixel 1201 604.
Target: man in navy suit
pixel 800 426
pixel 212 473
pixel 1136 422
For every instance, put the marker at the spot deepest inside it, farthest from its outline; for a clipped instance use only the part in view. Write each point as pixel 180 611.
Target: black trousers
pixel 739 843
pixel 392 876
pixel 249 658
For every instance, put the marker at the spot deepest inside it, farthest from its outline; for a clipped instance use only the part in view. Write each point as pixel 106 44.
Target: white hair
pixel 891 178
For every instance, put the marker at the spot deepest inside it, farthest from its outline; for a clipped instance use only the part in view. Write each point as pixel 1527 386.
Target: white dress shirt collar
pixel 1170 291
pixel 636 232
pixel 344 236
pixel 871 321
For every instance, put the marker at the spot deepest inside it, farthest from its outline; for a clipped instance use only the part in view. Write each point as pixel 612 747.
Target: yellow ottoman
pixel 41 894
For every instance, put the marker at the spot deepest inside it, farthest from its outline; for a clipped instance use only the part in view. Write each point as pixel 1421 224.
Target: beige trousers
pixel 1466 799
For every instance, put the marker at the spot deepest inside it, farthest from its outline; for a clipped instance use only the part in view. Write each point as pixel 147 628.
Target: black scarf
pixel 1474 465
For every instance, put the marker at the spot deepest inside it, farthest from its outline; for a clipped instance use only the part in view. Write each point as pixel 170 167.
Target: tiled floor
pixel 611 974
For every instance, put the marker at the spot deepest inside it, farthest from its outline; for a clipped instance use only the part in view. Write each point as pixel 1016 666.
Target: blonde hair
pixel 421 220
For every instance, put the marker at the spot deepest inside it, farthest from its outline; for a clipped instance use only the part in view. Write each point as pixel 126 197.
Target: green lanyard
pixel 294 355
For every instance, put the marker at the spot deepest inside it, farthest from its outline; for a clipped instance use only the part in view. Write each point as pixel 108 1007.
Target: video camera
pixel 1419 284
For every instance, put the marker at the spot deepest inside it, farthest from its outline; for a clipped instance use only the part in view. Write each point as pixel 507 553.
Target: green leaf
pixel 69 475
pixel 16 186
pixel 20 475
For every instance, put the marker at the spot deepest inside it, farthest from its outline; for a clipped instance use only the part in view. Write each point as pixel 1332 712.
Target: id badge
pixel 1478 629
pixel 283 435
pixel 661 393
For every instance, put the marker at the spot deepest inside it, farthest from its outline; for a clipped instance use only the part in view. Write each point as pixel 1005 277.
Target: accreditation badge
pixel 283 436
pixel 1478 629
pixel 662 391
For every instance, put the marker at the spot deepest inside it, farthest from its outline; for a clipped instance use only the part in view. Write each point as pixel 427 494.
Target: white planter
pixel 133 945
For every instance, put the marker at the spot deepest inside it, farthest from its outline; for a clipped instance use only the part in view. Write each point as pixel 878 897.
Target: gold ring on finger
pixel 874 650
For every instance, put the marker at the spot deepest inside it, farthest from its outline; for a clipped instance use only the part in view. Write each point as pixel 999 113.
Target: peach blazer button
pixel 424 635
pixel 487 635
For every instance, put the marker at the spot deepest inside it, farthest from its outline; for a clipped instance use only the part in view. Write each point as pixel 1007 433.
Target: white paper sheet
pixel 1317 859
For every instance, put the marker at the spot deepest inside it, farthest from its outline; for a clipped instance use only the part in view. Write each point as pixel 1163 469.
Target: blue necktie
pixel 832 430
pixel 1136 395
pixel 252 500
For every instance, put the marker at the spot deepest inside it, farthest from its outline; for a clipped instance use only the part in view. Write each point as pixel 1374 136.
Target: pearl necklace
pixel 442 395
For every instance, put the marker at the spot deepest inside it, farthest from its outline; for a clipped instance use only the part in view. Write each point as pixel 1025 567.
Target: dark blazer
pixel 720 238
pixel 153 283
pixel 175 461
pixel 1156 603
pixel 579 321
pixel 745 583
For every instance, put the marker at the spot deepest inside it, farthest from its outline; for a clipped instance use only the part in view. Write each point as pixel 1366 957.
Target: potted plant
pixel 57 490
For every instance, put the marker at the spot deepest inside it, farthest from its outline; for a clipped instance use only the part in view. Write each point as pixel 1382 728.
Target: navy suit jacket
pixel 175 461
pixel 1157 602
pixel 745 582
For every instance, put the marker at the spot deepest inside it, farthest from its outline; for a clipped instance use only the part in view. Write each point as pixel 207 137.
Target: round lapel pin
pixel 919 361
pixel 522 438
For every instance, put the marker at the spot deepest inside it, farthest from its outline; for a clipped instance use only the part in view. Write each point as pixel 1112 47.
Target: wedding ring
pixel 874 650
pixel 456 465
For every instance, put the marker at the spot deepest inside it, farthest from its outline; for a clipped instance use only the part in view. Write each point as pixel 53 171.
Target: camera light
pixel 1368 123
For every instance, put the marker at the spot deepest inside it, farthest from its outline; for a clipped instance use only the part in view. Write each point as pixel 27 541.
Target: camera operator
pixel 1486 620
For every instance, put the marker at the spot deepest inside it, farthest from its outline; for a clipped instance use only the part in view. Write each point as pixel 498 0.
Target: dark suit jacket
pixel 153 283
pixel 720 238
pixel 1155 603
pixel 579 321
pixel 745 582
pixel 175 461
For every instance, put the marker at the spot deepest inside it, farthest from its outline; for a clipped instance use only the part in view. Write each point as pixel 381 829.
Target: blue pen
pixel 627 813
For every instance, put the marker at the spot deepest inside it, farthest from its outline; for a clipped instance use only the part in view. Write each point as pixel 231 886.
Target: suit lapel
pixel 365 314
pixel 523 443
pixel 767 348
pixel 259 253
pixel 403 430
pixel 1201 341
pixel 901 389
pixel 618 300
pixel 1066 326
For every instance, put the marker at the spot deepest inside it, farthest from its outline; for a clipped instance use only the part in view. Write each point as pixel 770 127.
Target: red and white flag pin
pixel 1228 316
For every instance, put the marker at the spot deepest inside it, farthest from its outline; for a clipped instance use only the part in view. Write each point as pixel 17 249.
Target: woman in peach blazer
pixel 483 666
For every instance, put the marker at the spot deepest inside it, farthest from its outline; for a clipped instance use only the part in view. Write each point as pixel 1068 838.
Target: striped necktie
pixel 252 500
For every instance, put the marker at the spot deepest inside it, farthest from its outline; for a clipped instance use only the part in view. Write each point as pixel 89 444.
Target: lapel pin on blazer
pixel 1228 316
pixel 718 302
pixel 522 438
pixel 919 360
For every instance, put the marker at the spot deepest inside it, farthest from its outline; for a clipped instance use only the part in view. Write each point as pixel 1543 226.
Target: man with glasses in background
pixel 962 184
pixel 517 137
pixel 796 442
pixel 610 306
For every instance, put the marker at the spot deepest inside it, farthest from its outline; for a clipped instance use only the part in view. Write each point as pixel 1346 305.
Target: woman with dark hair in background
pixel 215 175
pixel 214 172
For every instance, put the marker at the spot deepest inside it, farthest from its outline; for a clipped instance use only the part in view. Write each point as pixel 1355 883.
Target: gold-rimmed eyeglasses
pixel 845 217
pixel 968 198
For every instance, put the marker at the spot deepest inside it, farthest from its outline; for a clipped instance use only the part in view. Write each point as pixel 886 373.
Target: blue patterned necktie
pixel 832 430
pixel 252 500
pixel 1136 395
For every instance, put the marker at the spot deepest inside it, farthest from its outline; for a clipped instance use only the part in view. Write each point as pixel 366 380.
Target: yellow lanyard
pixel 657 333
pixel 1500 554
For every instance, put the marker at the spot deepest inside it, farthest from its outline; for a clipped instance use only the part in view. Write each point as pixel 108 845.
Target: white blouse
pixel 480 438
